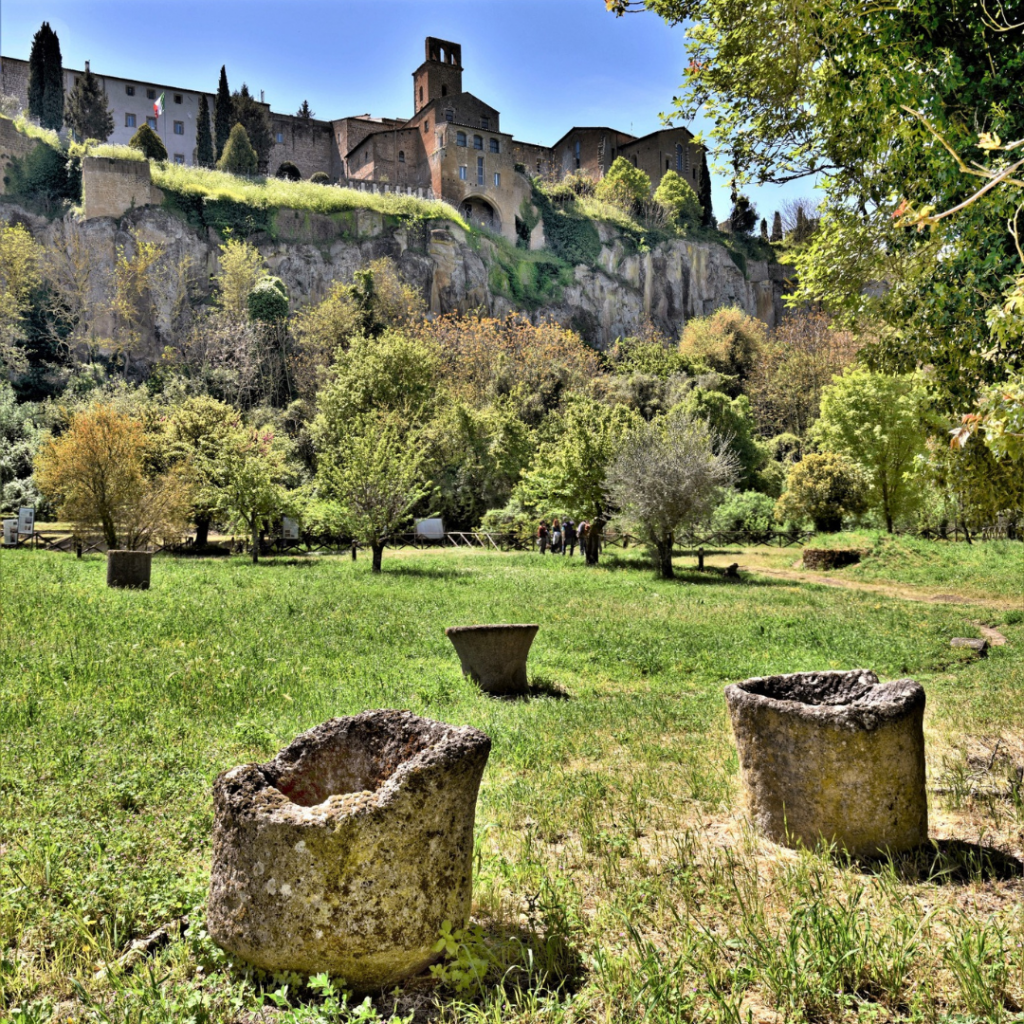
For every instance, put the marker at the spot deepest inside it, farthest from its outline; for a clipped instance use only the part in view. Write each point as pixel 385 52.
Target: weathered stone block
pixel 348 851
pixel 980 647
pixel 833 756
pixel 494 657
pixel 830 558
pixel 129 569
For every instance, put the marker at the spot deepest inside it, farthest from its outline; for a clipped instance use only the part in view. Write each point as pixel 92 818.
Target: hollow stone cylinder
pixel 494 657
pixel 833 756
pixel 348 851
pixel 129 568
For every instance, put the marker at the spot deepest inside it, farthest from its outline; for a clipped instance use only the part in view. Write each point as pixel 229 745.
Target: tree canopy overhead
pixel 886 102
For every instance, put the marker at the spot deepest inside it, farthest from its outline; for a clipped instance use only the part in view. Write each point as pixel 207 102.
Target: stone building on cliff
pixel 452 145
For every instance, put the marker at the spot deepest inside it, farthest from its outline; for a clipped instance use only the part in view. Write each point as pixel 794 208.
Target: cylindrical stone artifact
pixel 494 657
pixel 835 757
pixel 129 568
pixel 348 851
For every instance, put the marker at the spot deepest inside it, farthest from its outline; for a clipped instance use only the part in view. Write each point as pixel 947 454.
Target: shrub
pixel 824 488
pixel 288 170
pixel 268 301
pixel 745 512
pixel 678 198
pixel 728 341
pixel 44 178
pixel 624 185
pixel 320 178
pixel 238 157
pixel 151 145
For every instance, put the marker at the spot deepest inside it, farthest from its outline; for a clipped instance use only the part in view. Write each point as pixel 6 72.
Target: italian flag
pixel 158 106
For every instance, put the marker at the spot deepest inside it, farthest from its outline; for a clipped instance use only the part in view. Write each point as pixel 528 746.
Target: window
pixel 576 152
pixel 460 138
pixel 679 159
pixel 479 170
pixel 129 120
pixel 177 97
pixel 421 94
pixel 449 115
pixel 426 127
pixel 151 94
pixel 129 90
pixel 485 123
pixel 279 138
pixel 695 174
pixel 495 146
pixel 462 173
pixel 667 166
pixel 151 121
pixel 497 180
pixel 478 142
pixel 444 90
pixel 179 127
pixel 401 156
pixel 179 158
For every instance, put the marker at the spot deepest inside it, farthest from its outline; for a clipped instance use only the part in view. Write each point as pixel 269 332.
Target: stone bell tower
pixel 439 75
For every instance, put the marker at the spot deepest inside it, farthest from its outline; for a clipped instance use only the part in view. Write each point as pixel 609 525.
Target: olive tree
pixel 667 476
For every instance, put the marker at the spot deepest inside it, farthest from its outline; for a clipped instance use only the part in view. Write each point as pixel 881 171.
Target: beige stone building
pixel 452 146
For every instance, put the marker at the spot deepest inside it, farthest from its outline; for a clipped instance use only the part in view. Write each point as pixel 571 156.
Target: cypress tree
pixel 149 142
pixel 223 114
pixel 204 141
pixel 46 79
pixel 88 112
pixel 252 116
pixel 708 218
pixel 776 235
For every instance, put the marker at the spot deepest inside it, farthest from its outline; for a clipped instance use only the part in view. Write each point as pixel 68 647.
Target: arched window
pixel 460 138
pixel 444 90
pixel 401 156
pixel 426 127
pixel 679 159
pixel 478 142
pixel 577 154
pixel 495 146
pixel 421 94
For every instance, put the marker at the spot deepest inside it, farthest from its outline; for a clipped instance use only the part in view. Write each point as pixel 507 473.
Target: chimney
pixel 87 67
pixel 261 95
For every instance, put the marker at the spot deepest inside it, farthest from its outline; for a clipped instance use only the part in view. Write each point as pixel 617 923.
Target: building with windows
pixel 452 145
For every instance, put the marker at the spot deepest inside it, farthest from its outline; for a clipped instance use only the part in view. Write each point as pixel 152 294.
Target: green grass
pixel 612 860
pixel 278 193
pixel 983 569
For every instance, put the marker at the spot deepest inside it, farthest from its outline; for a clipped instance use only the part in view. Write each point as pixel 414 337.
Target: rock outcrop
pixel 668 284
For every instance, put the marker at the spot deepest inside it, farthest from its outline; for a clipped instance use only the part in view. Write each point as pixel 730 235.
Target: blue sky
pixel 545 64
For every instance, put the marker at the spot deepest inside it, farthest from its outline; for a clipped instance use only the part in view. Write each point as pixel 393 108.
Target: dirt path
pixel 889 590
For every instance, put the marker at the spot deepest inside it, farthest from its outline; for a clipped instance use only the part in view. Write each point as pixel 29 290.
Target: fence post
pixel 353 551
pixel 700 558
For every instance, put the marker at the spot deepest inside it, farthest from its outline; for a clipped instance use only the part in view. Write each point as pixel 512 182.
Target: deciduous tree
pixel 667 476
pixel 253 117
pixel 676 195
pixel 20 259
pixel 825 488
pixel 878 422
pixel 96 473
pixel 147 140
pixel 624 185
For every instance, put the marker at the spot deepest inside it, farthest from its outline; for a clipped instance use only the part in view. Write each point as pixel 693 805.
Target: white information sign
pixel 430 529
pixel 10 532
pixel 26 520
pixel 289 529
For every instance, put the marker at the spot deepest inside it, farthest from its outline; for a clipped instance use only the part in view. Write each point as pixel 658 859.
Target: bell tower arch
pixel 439 75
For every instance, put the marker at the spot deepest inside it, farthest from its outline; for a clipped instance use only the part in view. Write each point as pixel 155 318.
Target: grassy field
pixel 615 877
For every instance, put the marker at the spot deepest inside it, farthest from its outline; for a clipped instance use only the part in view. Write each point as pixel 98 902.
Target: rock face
pixel 129 569
pixel 669 284
pixel 494 657
pixel 348 851
pixel 833 756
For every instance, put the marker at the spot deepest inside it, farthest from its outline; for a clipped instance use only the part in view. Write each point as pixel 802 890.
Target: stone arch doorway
pixel 481 213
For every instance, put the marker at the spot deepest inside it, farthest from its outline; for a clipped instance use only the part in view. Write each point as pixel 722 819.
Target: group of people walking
pixel 561 536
